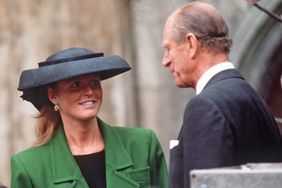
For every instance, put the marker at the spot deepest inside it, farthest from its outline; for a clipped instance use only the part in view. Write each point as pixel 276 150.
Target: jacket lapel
pixel 64 168
pixel 117 159
pixel 67 173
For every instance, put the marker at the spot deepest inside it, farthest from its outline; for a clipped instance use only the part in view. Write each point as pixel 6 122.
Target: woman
pixel 74 147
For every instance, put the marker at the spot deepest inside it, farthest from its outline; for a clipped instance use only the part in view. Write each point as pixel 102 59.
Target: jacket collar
pixel 65 168
pixel 116 154
pixel 231 73
pixel 117 158
pixel 211 72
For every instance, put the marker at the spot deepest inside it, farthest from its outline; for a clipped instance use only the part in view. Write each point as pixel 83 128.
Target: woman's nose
pixel 88 89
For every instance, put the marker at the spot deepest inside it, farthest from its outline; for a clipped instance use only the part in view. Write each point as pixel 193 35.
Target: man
pixel 226 123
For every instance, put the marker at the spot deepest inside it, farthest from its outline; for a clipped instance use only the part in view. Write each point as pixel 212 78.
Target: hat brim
pixel 33 82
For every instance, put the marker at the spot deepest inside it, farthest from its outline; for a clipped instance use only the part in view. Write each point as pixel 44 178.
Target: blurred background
pixel 31 30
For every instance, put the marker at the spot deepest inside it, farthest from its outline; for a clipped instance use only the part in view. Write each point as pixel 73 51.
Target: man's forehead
pixel 168 37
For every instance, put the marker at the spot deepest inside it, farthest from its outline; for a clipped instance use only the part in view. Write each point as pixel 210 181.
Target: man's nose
pixel 166 61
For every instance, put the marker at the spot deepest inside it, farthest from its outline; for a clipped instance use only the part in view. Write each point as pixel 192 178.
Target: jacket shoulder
pixel 132 131
pixel 129 134
pixel 32 155
pixel 140 137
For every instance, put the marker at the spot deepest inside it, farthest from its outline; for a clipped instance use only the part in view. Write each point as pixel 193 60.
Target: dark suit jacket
pixel 226 124
pixel 133 158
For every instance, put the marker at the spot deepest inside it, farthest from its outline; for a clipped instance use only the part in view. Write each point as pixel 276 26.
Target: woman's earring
pixel 56 107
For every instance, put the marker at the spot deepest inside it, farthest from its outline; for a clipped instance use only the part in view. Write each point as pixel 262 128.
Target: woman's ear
pixel 51 95
pixel 192 44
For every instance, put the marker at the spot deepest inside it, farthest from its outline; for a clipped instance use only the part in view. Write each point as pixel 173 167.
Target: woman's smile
pixel 87 103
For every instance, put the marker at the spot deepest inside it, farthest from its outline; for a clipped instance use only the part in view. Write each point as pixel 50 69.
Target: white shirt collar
pixel 210 73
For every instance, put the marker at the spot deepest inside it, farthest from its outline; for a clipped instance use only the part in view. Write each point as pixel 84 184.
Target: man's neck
pixel 206 61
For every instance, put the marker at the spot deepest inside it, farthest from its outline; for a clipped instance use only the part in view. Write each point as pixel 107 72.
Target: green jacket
pixel 133 158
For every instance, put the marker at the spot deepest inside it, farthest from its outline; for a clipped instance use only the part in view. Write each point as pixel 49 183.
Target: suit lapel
pixel 117 158
pixel 64 168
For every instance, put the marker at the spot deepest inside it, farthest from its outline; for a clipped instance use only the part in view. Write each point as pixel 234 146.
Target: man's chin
pixel 182 85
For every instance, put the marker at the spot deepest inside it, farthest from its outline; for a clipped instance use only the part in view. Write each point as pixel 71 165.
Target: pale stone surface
pixel 249 176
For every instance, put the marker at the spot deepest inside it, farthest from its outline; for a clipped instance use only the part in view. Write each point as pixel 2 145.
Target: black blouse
pixel 92 167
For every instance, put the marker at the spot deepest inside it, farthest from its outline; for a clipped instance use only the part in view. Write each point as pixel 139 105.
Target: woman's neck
pixel 83 137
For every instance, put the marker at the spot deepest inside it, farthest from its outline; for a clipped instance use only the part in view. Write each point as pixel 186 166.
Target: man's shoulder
pixel 226 89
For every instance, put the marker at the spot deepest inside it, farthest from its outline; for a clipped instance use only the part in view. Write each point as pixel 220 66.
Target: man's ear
pixel 192 44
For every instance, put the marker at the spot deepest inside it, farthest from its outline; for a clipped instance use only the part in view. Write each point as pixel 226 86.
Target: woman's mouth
pixel 87 102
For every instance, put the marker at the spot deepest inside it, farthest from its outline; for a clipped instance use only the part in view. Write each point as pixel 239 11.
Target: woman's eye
pixel 75 85
pixel 95 83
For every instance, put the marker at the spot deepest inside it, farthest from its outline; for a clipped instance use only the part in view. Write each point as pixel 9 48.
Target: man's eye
pixel 166 50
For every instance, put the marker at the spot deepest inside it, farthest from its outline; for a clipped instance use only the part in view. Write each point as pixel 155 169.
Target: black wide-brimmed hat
pixel 63 65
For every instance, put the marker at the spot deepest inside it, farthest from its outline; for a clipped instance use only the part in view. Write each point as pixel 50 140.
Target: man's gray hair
pixel 209 28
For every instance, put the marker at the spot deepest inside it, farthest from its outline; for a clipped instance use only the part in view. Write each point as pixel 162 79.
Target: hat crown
pixel 69 53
